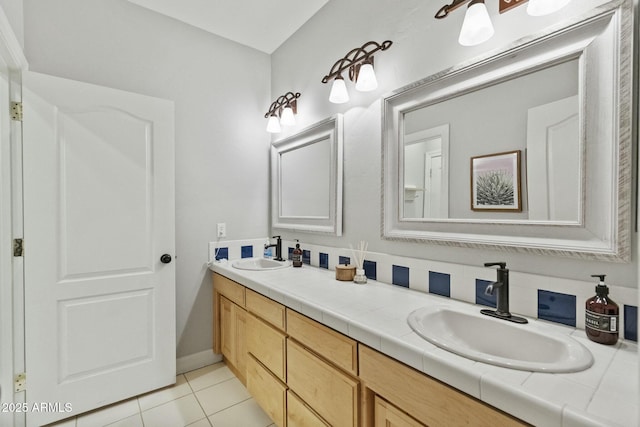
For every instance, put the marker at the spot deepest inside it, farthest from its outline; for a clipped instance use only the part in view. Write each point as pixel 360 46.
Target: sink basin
pixel 529 347
pixel 259 264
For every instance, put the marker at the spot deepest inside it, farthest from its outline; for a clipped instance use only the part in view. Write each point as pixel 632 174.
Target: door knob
pixel 165 259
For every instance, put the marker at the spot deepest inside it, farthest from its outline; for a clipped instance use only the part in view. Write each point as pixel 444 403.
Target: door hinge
pixel 16 111
pixel 18 247
pixel 20 382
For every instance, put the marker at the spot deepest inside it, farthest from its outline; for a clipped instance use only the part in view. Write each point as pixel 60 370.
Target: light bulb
pixel 545 7
pixel 366 78
pixel 273 125
pixel 476 27
pixel 339 94
pixel 287 118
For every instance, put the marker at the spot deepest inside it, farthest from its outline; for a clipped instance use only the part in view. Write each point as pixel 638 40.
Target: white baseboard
pixel 196 361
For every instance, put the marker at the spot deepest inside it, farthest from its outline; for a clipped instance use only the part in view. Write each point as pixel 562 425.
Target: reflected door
pixel 99 214
pixel 553 161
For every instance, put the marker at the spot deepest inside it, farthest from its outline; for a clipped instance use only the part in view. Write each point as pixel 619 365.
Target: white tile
pixel 221 396
pixel 208 376
pixel 572 417
pixel 457 371
pixel 336 321
pixel 602 357
pixel 201 423
pixel 177 413
pixel 71 422
pixel 245 414
pixel 419 279
pixel 164 395
pixel 513 399
pixel 555 388
pixel 109 414
pixel 408 349
pixel 366 336
pixel 133 421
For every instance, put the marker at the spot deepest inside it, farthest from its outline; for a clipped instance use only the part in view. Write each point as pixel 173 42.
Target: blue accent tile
pixel 246 252
pixel 481 297
pixel 306 257
pixel 222 253
pixel 324 260
pixel 370 269
pixel 440 283
pixel 400 276
pixel 290 252
pixel 631 323
pixel 557 307
pixel 344 260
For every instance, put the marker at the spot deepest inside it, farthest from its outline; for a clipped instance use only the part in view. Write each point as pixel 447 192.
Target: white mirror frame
pixel 330 130
pixel 602 42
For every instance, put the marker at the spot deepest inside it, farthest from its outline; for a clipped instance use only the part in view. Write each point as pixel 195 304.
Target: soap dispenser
pixel 601 315
pixel 296 255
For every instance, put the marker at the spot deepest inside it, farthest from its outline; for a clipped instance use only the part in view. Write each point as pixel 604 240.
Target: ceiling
pixel 260 24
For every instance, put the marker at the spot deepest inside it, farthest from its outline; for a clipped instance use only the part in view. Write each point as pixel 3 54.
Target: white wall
pixel 221 91
pixel 422 46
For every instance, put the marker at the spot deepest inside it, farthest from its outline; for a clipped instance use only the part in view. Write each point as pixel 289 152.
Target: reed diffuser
pixel 358 257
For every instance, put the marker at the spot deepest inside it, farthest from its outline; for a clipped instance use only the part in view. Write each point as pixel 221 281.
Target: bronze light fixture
pixel 282 112
pixel 359 62
pixel 477 26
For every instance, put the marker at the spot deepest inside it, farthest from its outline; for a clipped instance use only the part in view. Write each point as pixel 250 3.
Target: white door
pixel 553 161
pixel 99 214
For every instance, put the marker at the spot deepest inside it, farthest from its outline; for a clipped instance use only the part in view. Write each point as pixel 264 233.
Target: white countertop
pixel 375 314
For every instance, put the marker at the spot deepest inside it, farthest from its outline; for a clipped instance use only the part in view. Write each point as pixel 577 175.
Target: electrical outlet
pixel 222 229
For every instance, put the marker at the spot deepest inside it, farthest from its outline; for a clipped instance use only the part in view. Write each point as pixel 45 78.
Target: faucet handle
pixel 275 237
pixel 502 265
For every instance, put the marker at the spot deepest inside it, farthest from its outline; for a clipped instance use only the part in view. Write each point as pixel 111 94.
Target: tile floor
pixel 208 397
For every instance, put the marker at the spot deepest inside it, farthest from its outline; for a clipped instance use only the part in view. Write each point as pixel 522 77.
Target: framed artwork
pixel 495 182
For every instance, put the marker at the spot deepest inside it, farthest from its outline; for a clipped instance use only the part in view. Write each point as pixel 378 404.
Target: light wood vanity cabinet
pixel 303 373
pixel 422 397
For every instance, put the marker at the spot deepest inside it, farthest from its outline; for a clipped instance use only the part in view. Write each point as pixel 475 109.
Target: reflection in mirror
pixel 563 100
pixel 305 190
pixel 306 179
pixel 426 180
pixel 540 119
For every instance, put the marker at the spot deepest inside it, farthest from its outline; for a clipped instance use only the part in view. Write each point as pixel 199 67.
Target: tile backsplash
pixel 543 297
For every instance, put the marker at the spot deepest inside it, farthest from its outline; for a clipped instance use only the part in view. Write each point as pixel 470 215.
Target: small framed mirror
pixel 560 104
pixel 306 179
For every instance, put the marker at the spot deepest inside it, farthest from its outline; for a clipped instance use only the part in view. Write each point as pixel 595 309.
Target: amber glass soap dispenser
pixel 601 316
pixel 296 255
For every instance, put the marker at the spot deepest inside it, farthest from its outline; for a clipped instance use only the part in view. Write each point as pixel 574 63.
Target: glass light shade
pixel 545 7
pixel 339 94
pixel 287 118
pixel 366 78
pixel 476 27
pixel 273 125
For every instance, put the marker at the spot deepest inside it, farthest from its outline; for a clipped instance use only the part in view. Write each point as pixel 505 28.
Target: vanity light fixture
pixel 282 112
pixel 477 27
pixel 359 62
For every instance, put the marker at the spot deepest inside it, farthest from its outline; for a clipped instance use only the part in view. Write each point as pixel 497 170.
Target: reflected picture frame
pixel 496 182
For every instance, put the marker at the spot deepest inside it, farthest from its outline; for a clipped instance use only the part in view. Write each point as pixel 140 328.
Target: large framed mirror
pixel 561 104
pixel 306 179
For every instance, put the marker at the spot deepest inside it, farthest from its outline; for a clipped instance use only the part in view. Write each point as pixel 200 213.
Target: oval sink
pixel 259 264
pixel 529 347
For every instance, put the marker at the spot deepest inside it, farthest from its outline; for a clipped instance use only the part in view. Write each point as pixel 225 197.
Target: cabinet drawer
pixel 270 393
pixel 266 309
pixel 229 289
pixel 425 398
pixel 267 344
pixel 300 415
pixel 387 415
pixel 331 393
pixel 332 345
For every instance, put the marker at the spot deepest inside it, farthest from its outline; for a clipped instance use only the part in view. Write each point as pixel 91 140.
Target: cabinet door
pixel 227 333
pixel 387 415
pixel 267 391
pixel 266 344
pixel 233 320
pixel 331 393
pixel 240 320
pixel 300 415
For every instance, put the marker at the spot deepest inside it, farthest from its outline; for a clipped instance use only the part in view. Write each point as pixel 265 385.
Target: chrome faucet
pixel 501 285
pixel 278 246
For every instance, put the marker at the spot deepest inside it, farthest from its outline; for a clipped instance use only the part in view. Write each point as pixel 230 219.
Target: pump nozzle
pixel 601 276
